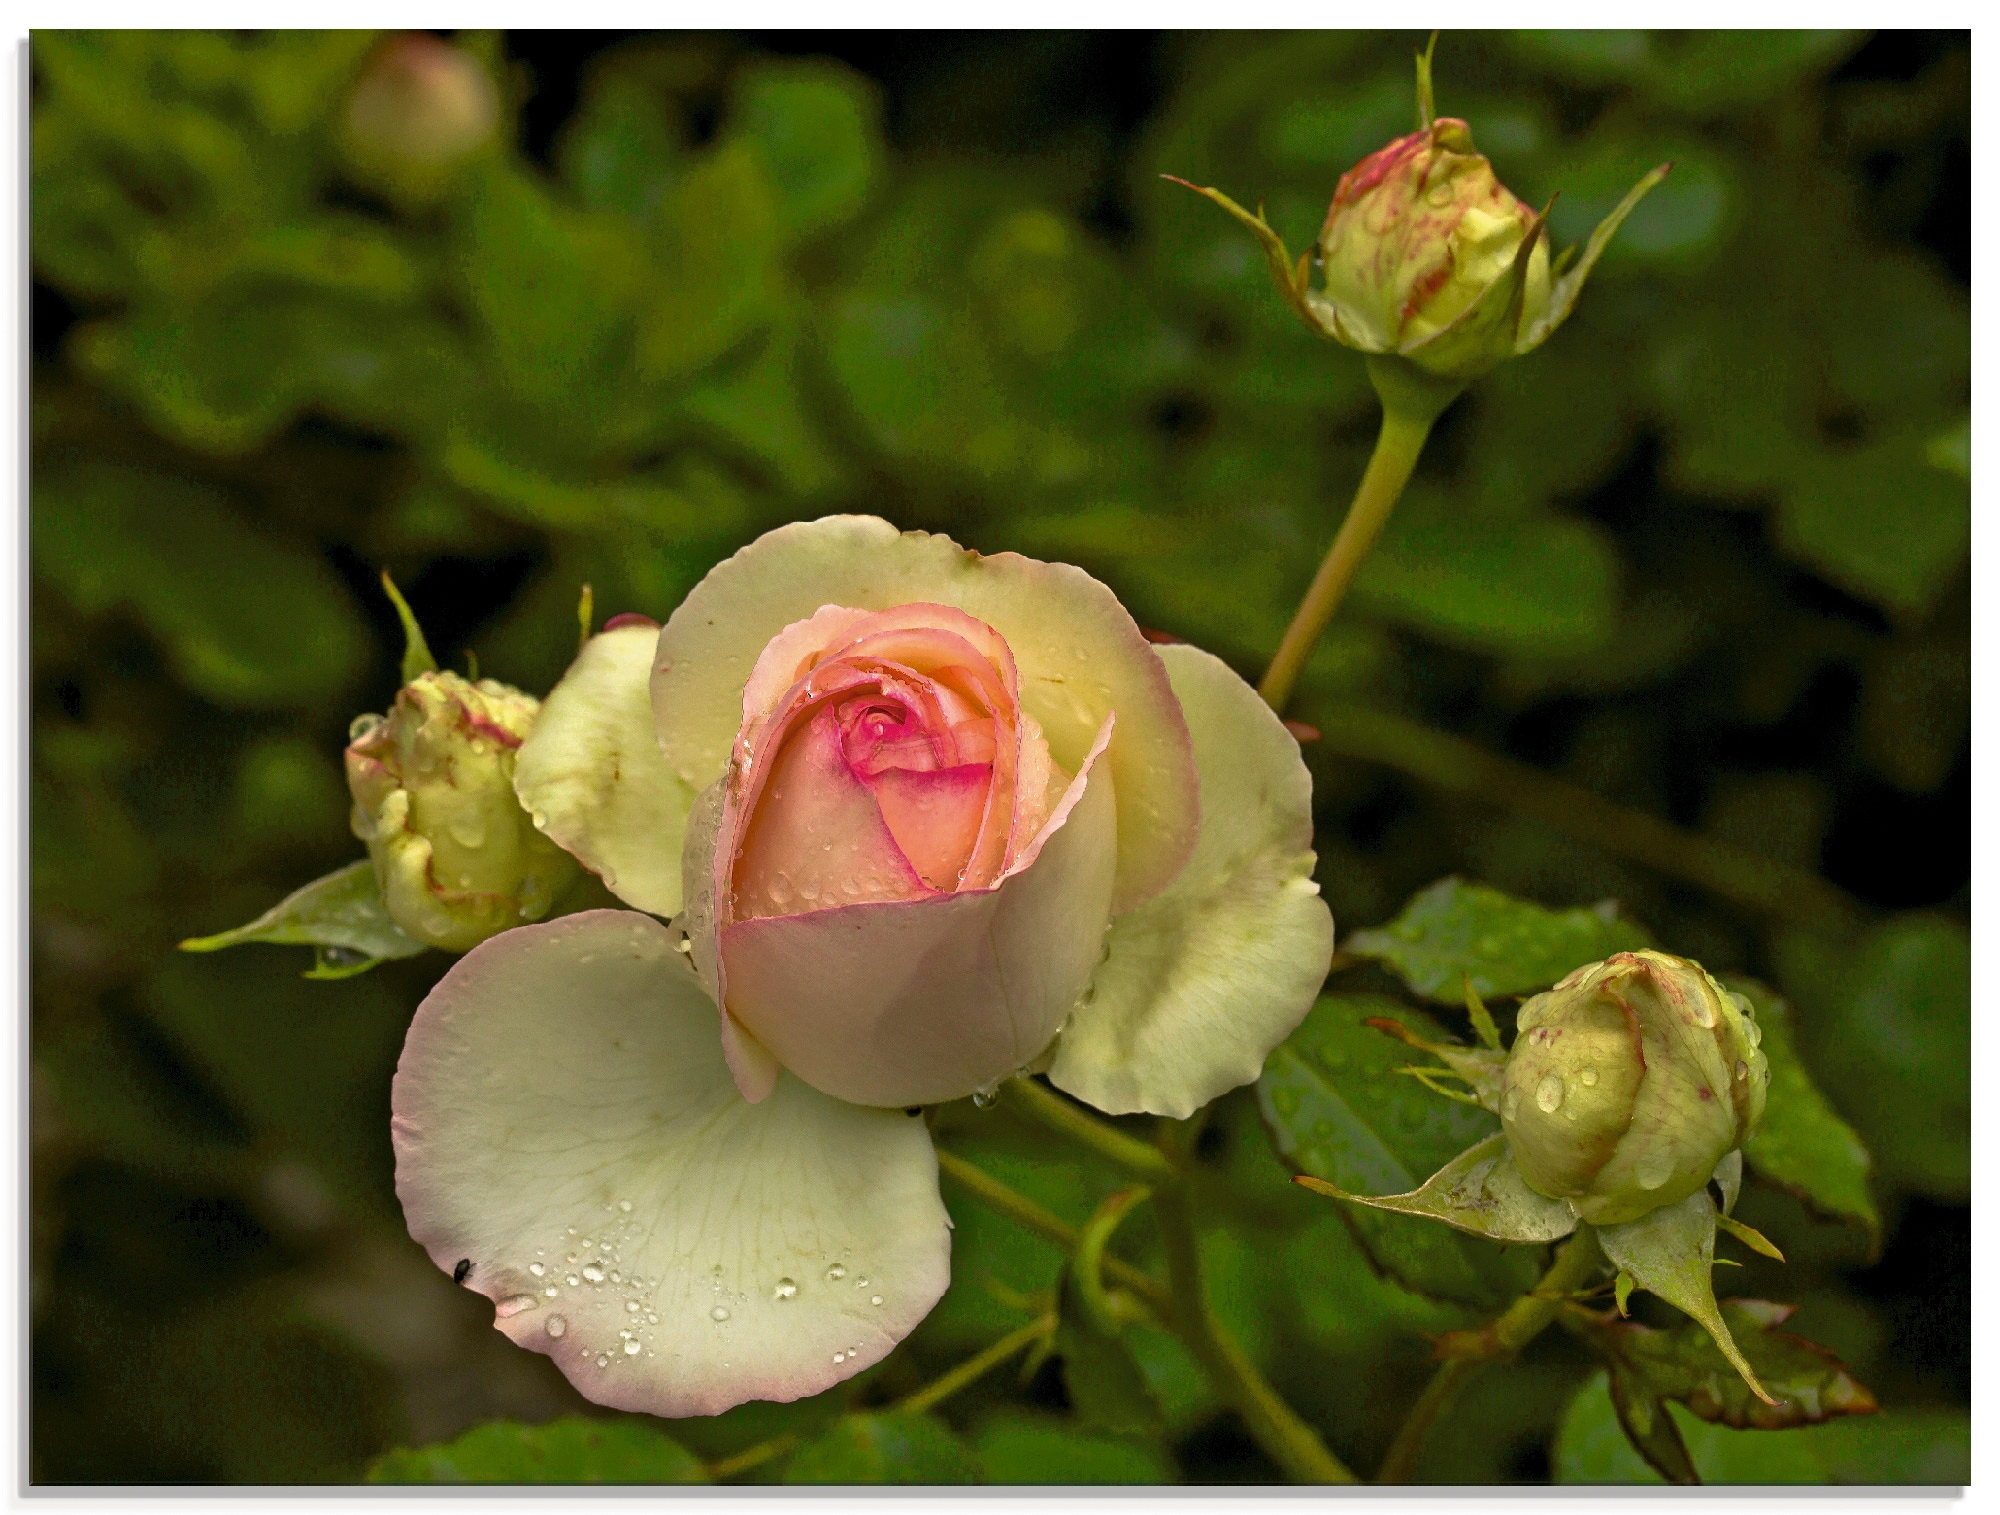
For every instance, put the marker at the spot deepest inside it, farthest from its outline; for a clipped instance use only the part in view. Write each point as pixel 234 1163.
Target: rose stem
pixel 1292 1444
pixel 1410 404
pixel 1139 1158
pixel 1019 1208
pixel 1576 1264
pixel 1443 761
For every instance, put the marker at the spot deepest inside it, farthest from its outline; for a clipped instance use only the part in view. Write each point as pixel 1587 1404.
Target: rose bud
pixel 433 788
pixel 420 111
pixel 1430 259
pixel 1628 1082
pixel 923 817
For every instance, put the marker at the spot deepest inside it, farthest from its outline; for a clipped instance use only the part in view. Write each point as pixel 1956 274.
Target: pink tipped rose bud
pixel 433 784
pixel 421 109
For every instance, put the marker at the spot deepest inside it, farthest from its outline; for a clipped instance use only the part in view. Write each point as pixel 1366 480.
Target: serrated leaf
pixel 342 911
pixel 1336 1108
pixel 1671 1252
pixel 568 1451
pixel 1683 1364
pixel 887 1448
pixel 1480 1191
pixel 1455 929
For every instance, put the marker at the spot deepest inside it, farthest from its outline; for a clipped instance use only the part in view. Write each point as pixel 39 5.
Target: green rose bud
pixel 1417 235
pixel 1628 1082
pixel 420 111
pixel 457 857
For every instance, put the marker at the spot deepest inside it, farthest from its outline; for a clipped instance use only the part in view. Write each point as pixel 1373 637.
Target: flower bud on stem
pixel 1412 400
pixel 1578 1262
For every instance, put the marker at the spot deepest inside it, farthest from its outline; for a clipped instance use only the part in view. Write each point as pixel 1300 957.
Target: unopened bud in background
pixel 457 857
pixel 1628 1082
pixel 419 112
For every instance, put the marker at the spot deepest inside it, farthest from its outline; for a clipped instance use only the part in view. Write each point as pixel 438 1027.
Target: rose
pixel 1629 1081
pixel 1030 837
pixel 433 789
pixel 420 110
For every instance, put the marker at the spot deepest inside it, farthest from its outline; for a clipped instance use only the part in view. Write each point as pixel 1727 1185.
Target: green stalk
pixel 1576 1264
pixel 1411 404
pixel 974 1368
pixel 1141 1159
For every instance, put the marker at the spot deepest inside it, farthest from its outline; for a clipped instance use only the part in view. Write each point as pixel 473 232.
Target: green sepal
pixel 1566 286
pixel 1751 1237
pixel 1621 1292
pixel 341 915
pixel 1671 1252
pixel 1649 1426
pixel 1728 1177
pixel 1482 1069
pixel 417 657
pixel 1482 1018
pixel 1480 1191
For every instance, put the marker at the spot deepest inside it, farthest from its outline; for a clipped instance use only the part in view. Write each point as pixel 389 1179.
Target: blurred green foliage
pixel 1706 555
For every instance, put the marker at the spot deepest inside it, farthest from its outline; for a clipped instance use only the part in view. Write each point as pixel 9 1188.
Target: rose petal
pixel 935 817
pixel 927 1000
pixel 1204 980
pixel 592 777
pixel 561 1073
pixel 1078 654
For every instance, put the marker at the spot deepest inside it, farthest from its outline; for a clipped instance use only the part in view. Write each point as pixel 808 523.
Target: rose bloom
pixel 920 819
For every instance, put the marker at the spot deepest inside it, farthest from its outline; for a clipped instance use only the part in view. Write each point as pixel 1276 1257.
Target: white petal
pixel 1078 653
pixel 1204 980
pixel 562 1103
pixel 592 777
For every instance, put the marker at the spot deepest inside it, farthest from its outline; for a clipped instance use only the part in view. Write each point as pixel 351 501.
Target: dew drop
pixel 1509 1103
pixel 551 1291
pixel 835 1274
pixel 631 1307
pixel 1654 1168
pixel 514 1304
pixel 617 1277
pixel 537 1269
pixel 781 889
pixel 808 891
pixel 593 1274
pixel 364 726
pixel 467 831
pixel 875 1300
pixel 603 1361
pixel 1549 1092
pixel 719 1313
pixel 850 888
pixel 572 1280
pixel 1588 1078
pixel 1742 1071
pixel 840 1357
pixel 586 1244
pixel 786 1289
pixel 631 1349
pixel 625 1205
pixel 555 1325
pixel 860 1283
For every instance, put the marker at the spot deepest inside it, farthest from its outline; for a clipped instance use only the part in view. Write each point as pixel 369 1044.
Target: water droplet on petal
pixel 786 1289
pixel 514 1304
pixel 835 1274
pixel 876 1300
pixel 631 1307
pixel 364 726
pixel 555 1325
pixel 719 1313
pixel 1654 1168
pixel 631 1349
pixel 572 1280
pixel 780 889
pixel 593 1274
pixel 840 1357
pixel 1742 1070
pixel 1588 1078
pixel 537 1269
pixel 551 1291
pixel 1549 1092
pixel 603 1361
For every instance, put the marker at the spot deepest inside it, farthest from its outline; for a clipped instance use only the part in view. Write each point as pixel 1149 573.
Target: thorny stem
pixel 1141 1159
pixel 1576 1263
pixel 1292 1444
pixel 1770 888
pixel 1408 411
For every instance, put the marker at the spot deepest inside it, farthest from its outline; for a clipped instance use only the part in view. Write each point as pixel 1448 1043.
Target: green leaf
pixel 1801 1142
pixel 1808 1382
pixel 570 1450
pixel 1524 586
pixel 1336 1109
pixel 245 619
pixel 817 126
pixel 1670 1251
pixel 1880 523
pixel 343 911
pixel 1895 1447
pixel 1507 946
pixel 1106 1389
pixel 1017 1446
pixel 1890 1034
pixel 1481 1192
pixel 716 263
pixel 886 1448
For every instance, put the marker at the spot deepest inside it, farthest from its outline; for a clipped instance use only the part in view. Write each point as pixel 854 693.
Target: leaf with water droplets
pixel 1671 1252
pixel 570 1450
pixel 1455 932
pixel 341 914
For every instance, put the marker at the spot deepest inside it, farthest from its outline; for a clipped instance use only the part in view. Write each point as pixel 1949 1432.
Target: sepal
pixel 1567 285
pixel 341 915
pixel 1480 1191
